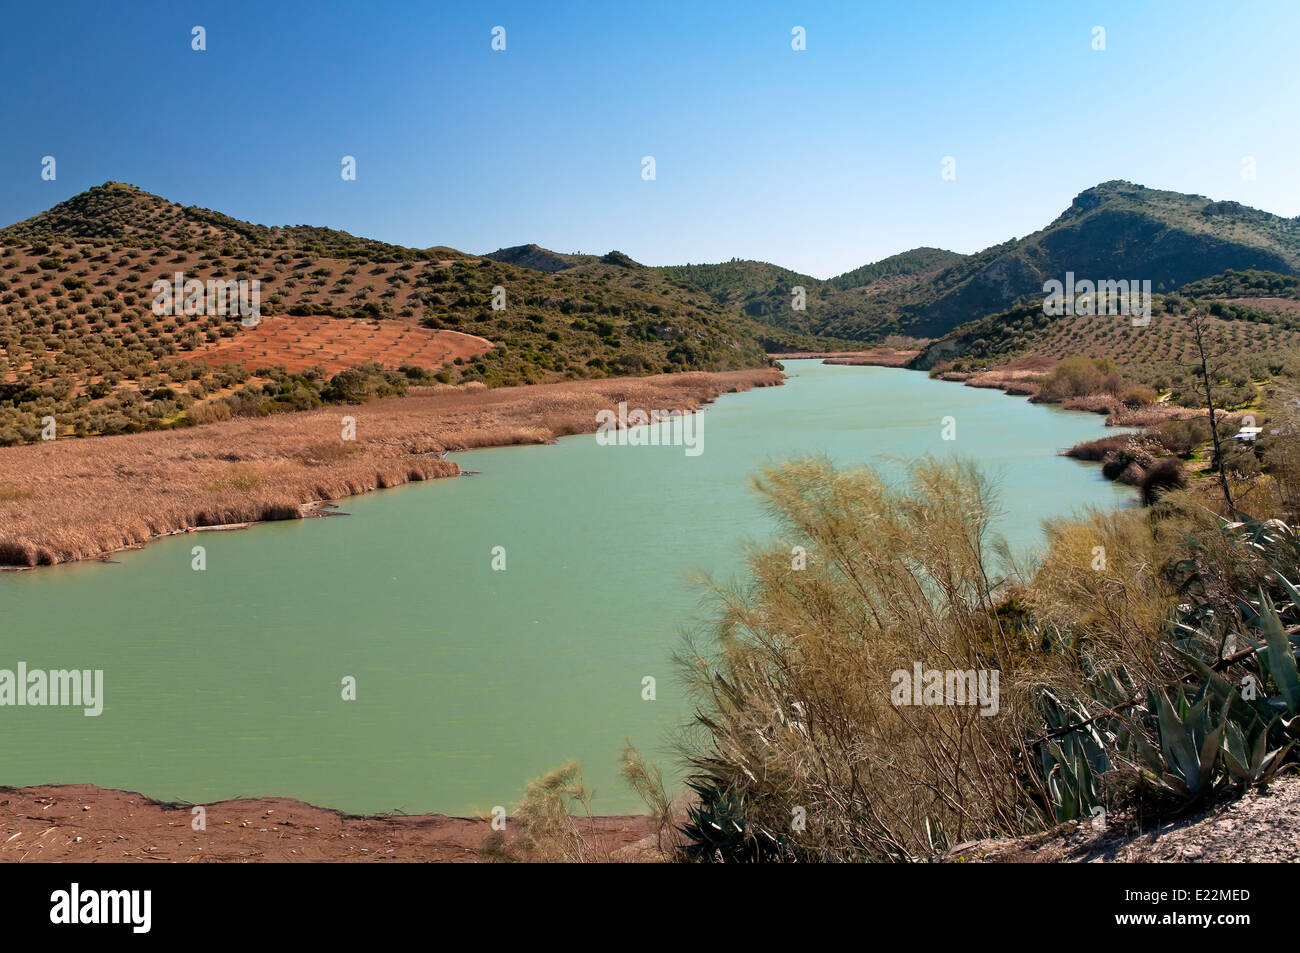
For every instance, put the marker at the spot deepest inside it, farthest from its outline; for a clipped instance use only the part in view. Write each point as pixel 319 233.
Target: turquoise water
pixel 469 681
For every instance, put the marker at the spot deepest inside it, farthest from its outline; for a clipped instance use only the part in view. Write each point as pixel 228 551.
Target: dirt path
pixel 85 823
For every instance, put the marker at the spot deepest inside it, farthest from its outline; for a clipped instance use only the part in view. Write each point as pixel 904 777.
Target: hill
pixel 1113 230
pixel 349 318
pixel 1117 230
pixel 1251 321
pixel 341 318
pixel 538 258
pixel 918 261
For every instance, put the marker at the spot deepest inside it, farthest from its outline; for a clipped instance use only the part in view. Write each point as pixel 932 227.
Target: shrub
pixel 1137 396
pixel 1182 436
pixel 1080 377
pixel 796 697
pixel 1161 477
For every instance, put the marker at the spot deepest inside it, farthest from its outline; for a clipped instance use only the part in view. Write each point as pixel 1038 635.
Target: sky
pixel 820 159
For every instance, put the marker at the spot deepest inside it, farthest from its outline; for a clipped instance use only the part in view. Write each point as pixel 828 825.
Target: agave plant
pixel 718 831
pixel 1073 763
pixel 1189 745
pixel 1258 729
pixel 1251 762
pixel 1276 656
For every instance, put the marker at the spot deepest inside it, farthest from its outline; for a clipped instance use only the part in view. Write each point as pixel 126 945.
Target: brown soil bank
pixel 1259 826
pixel 82 499
pixel 84 823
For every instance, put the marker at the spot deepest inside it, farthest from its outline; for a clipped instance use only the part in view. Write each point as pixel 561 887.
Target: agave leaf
pixel 1220 689
pixel 1209 760
pixel 1199 720
pixel 1270 764
pixel 1258 754
pixel 1235 759
pixel 1281 660
pixel 1152 763
pixel 1290 589
pixel 1176 784
pixel 1174 741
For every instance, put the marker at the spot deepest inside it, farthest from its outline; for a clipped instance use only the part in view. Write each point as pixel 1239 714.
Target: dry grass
pixel 81 499
pixel 875 357
pixel 795 689
pixel 1020 377
pixel 1151 415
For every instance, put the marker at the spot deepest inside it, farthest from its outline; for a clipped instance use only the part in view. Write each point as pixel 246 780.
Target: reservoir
pixel 470 679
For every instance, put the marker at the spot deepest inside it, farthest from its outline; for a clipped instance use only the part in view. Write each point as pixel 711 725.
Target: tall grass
pixel 79 499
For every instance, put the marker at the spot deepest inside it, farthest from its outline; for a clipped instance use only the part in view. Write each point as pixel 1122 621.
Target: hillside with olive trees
pixel 341 319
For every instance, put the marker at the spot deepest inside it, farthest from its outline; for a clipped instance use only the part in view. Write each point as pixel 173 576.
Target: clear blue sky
pixel 820 160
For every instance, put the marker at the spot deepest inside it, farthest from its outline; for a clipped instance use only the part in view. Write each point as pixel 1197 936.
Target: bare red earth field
pixel 336 343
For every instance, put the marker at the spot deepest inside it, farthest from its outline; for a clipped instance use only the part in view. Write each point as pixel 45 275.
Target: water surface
pixel 469 681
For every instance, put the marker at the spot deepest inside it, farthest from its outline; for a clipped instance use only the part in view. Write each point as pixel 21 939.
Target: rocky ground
pixel 1260 826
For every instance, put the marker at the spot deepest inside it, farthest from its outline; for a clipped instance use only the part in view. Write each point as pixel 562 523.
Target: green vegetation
pixel 918 261
pixel 1080 377
pixel 1251 283
pixel 82 344
pixel 1112 231
pixel 1144 667
pixel 1160 356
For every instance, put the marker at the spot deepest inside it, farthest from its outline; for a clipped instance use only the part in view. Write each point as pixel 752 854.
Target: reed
pixel 82 499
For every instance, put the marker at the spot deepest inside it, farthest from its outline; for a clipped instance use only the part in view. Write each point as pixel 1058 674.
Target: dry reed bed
pixel 1019 379
pixel 82 499
pixel 874 357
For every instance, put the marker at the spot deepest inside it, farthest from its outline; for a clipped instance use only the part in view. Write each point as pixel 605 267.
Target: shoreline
pixel 1014 379
pixel 79 499
pixel 871 357
pixel 82 823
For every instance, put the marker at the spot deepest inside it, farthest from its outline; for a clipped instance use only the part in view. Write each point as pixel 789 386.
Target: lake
pixel 470 680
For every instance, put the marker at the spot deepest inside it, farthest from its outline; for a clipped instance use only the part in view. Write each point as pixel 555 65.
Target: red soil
pixel 82 822
pixel 338 343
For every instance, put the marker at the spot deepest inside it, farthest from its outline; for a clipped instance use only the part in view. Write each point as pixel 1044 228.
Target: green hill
pixel 918 261
pixel 1114 230
pixel 79 339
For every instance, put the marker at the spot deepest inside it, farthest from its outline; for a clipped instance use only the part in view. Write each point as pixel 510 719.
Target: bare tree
pixel 1208 374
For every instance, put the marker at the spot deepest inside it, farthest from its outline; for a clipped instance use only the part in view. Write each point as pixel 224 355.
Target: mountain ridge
pixel 1115 229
